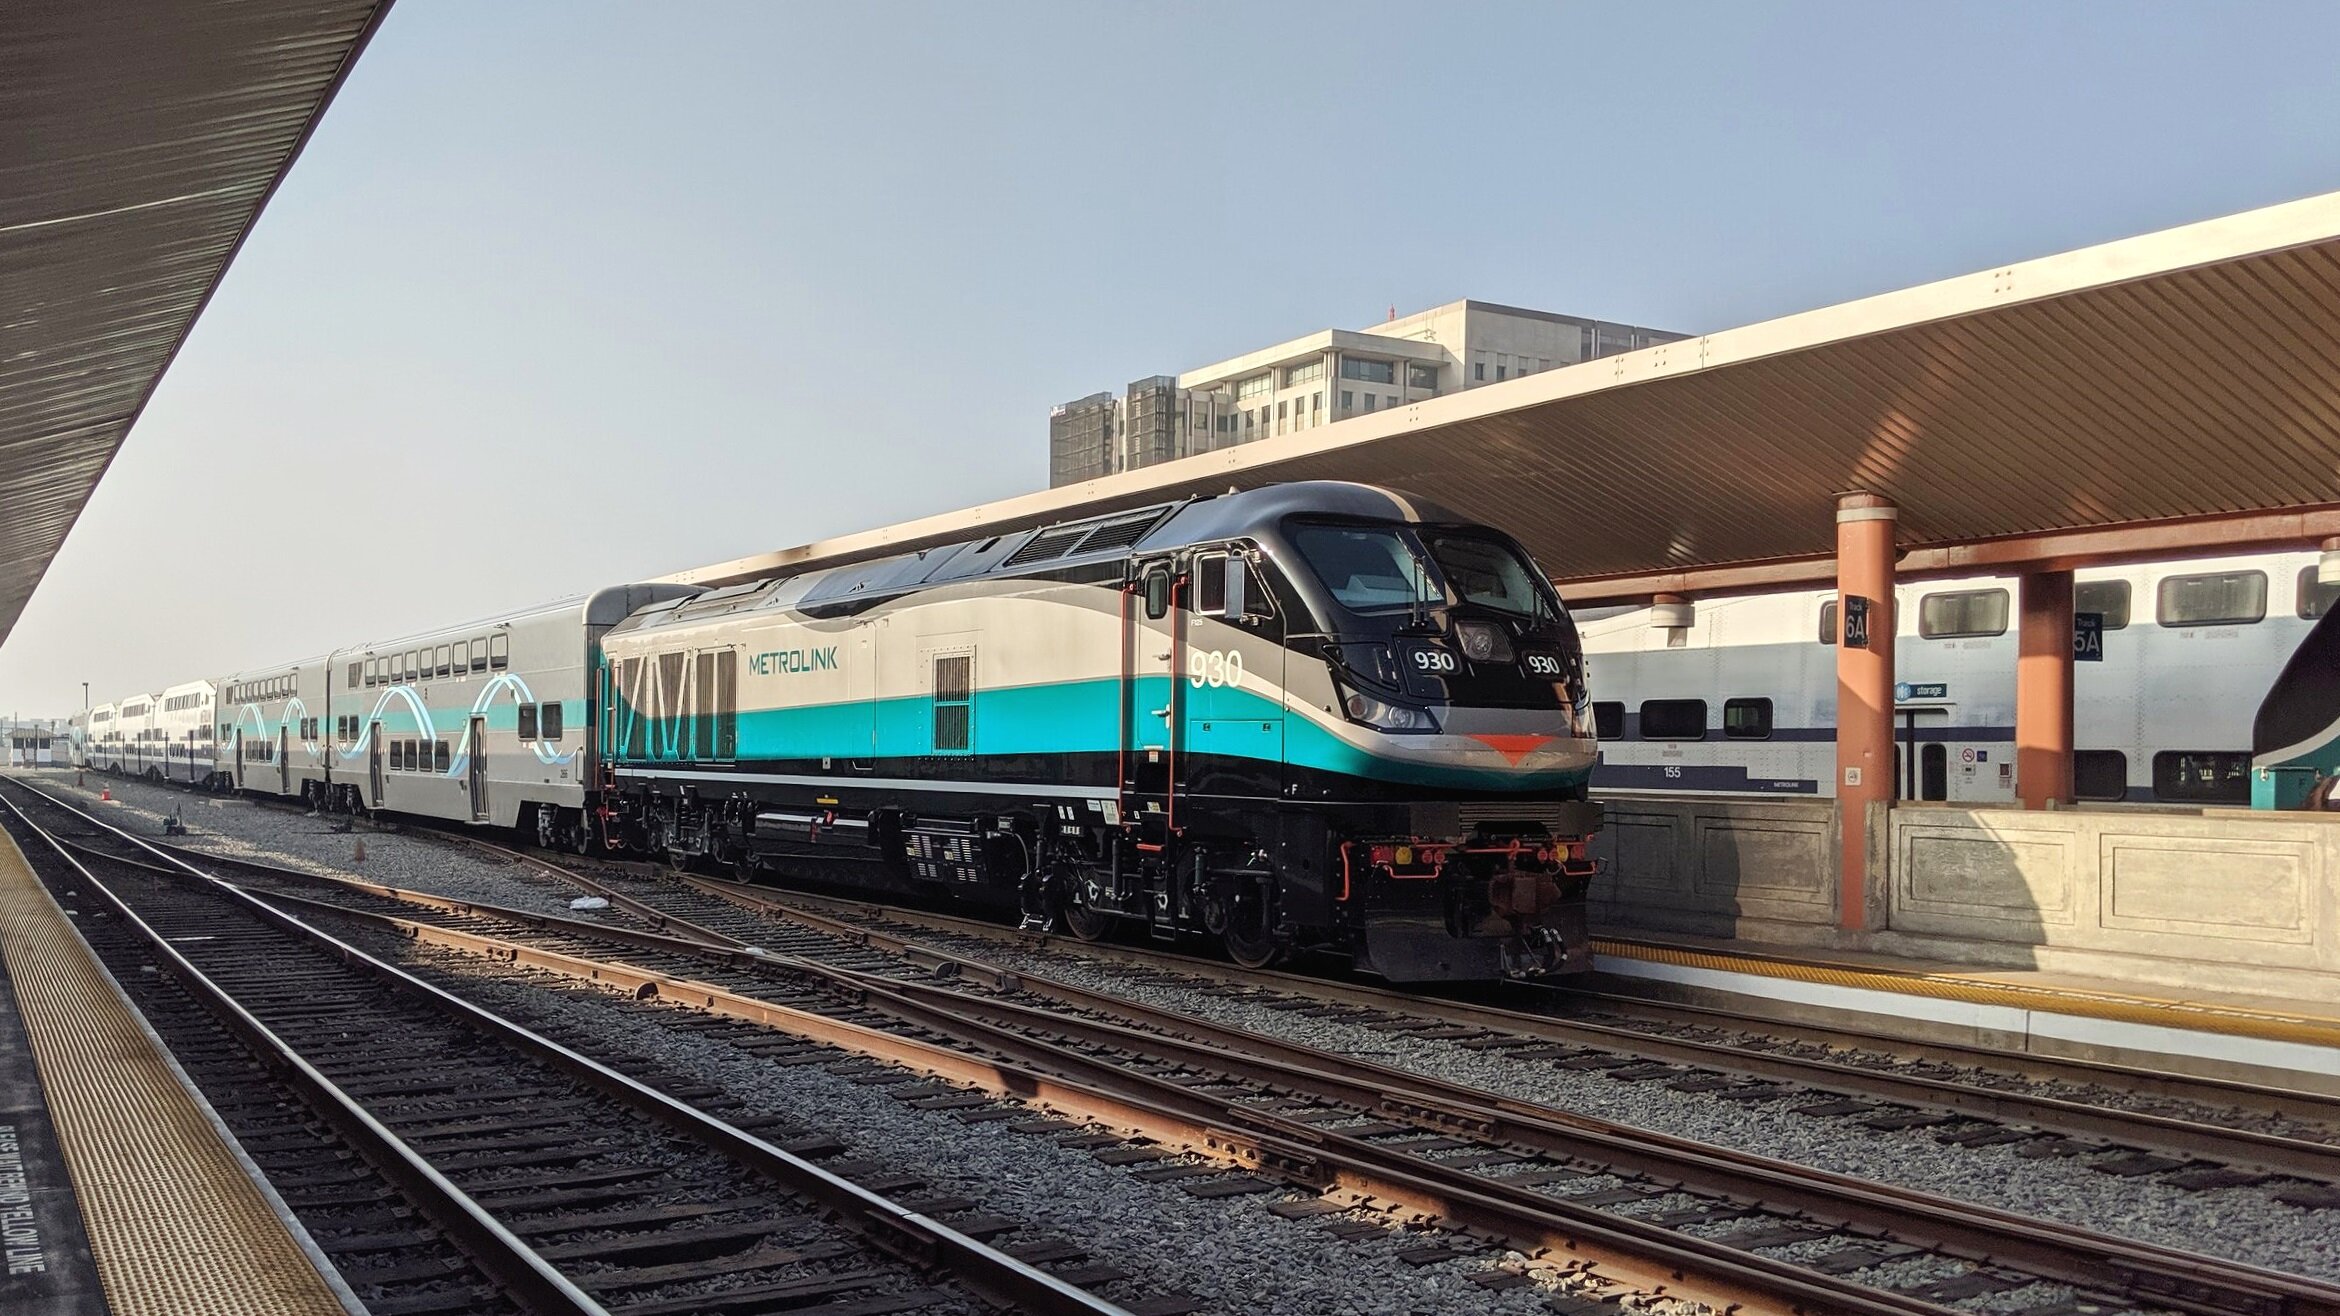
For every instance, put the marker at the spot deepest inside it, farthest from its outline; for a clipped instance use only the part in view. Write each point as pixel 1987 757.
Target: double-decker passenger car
pixel 184 730
pixel 485 723
pixel 98 747
pixel 1306 715
pixel 137 753
pixel 269 722
pixel 1744 699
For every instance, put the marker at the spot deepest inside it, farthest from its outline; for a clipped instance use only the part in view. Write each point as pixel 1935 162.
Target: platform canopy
pixel 141 141
pixel 2172 393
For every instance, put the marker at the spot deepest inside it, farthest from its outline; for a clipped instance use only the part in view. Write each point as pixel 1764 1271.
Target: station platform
pixel 120 1191
pixel 2290 1043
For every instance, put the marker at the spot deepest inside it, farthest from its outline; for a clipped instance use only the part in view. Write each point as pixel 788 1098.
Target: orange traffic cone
pixel 105 795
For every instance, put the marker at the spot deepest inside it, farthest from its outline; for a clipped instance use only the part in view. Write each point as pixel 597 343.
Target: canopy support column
pixel 2043 691
pixel 1864 692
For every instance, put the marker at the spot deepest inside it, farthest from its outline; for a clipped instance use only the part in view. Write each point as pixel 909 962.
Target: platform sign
pixel 2088 637
pixel 1856 622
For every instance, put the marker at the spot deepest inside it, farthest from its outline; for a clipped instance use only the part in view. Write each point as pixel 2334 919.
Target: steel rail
pixel 1621 1249
pixel 2050 1249
pixel 2071 1254
pixel 910 1235
pixel 500 1254
pixel 2292 1155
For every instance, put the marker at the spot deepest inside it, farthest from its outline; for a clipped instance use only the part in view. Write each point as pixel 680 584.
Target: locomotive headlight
pixel 1483 642
pixel 1384 716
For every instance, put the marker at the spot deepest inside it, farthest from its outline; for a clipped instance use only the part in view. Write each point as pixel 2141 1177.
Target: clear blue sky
pixel 565 294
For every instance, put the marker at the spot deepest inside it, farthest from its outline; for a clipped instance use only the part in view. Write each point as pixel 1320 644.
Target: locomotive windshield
pixel 1368 569
pixel 1489 574
pixel 1374 569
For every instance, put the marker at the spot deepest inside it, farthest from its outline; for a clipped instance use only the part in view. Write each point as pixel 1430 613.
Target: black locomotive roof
pixel 1049 548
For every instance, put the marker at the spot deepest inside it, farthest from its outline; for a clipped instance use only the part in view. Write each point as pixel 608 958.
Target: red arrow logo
pixel 1513 748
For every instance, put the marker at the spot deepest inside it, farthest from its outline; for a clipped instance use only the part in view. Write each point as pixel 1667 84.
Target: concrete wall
pixel 2211 900
pixel 1721 868
pixel 2218 899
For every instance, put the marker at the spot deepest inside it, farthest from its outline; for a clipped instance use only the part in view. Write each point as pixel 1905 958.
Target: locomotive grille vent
pixel 1047 546
pixel 1119 534
pixel 1500 816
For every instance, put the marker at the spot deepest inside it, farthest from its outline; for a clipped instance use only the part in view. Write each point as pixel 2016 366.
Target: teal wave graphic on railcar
pixel 504 717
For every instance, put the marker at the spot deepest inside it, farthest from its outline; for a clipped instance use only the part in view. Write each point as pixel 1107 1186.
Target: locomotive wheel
pixel 1250 937
pixel 1084 922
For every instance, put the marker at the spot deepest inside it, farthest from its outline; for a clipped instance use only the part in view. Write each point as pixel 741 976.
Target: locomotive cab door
pixel 1151 697
pixel 1231 672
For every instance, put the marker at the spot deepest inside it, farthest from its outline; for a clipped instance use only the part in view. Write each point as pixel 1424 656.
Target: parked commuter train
pixel 1745 698
pixel 1310 715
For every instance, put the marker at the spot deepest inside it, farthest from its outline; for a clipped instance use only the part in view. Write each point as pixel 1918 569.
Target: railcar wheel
pixel 1250 937
pixel 1082 919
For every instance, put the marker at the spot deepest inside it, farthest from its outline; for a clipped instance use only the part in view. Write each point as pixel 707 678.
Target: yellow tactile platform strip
pixel 2163 1012
pixel 175 1224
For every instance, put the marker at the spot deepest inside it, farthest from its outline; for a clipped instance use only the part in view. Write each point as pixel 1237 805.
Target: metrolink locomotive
pixel 1313 715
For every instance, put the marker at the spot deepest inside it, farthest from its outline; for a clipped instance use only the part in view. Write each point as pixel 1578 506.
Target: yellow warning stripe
pixel 174 1223
pixel 2201 1016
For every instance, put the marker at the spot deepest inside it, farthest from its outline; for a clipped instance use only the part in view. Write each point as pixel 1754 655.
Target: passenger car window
pixel 499 652
pixel 1673 719
pixel 2108 599
pixel 2314 599
pixel 2100 774
pixel 1961 614
pixel 1747 719
pixel 1608 719
pixel 2221 598
pixel 548 722
pixel 2198 776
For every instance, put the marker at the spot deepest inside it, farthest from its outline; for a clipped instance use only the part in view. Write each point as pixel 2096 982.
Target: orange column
pixel 2043 691
pixel 1864 691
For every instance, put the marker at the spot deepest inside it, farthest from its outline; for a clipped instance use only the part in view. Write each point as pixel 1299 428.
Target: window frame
pixel 548 721
pixel 500 651
pixel 525 722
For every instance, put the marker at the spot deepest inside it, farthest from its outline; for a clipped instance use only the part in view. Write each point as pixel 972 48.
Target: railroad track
pixel 1355 1130
pixel 563 1185
pixel 1696 1046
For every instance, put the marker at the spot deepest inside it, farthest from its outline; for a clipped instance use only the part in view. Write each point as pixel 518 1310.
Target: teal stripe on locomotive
pixel 1072 717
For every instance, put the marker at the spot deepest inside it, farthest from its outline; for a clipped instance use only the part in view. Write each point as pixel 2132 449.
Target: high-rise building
pixel 1322 379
